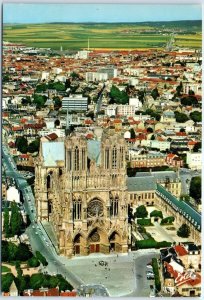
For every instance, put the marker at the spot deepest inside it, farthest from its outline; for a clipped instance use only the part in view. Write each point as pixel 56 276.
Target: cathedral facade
pixel 80 187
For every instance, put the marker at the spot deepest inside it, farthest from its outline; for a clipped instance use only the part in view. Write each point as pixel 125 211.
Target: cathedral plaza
pixel 121 274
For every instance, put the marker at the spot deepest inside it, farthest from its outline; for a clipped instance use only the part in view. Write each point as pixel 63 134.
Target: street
pixel 186 176
pixel 125 274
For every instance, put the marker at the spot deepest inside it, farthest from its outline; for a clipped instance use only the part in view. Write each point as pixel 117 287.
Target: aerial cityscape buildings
pixel 102 159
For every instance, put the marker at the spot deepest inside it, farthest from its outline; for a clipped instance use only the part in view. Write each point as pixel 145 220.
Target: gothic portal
pixel 81 188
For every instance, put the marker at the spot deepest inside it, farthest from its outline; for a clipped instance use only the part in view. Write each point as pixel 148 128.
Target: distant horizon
pixel 92 22
pixel 41 13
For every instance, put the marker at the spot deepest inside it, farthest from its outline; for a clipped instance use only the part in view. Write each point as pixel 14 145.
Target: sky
pixel 45 13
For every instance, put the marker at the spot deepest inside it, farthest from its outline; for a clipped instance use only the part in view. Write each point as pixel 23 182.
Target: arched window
pixel 76 159
pixel 69 159
pixel 77 209
pixel 83 159
pixel 114 206
pixel 121 157
pixel 114 158
pixel 49 180
pixel 107 158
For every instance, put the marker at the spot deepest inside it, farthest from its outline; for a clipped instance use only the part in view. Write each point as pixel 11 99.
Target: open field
pixel 112 36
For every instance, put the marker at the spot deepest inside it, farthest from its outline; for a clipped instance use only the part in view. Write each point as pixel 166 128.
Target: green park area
pixel 5 269
pixel 71 36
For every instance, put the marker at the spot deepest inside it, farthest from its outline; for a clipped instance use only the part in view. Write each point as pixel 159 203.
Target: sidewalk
pixel 51 233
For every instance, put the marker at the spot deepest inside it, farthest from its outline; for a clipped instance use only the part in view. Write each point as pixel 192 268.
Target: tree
pixel 39 100
pixel 191 92
pixel 6 226
pixel 156 274
pixel 155 93
pixel 6 281
pixel 117 96
pixel 12 250
pixel 58 86
pixel 4 251
pixel 195 188
pixel 41 88
pixel 18 269
pixel 150 130
pixel 197 147
pixel 33 262
pixel 37 281
pixel 34 146
pixel 16 220
pixel 57 123
pixel 189 101
pixel 141 95
pixel 63 284
pixel 183 231
pixel 23 252
pixel 179 89
pixel 153 114
pixel 167 220
pixel 21 144
pixel 181 117
pixel 196 116
pixel 26 100
pixel 74 75
pixel 182 130
pixel 6 77
pixel 41 258
pixel 156 213
pixel 57 102
pixel 141 212
pixel 132 133
pixel 185 197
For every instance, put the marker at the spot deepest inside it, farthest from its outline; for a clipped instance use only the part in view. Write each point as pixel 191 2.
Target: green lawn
pixel 5 269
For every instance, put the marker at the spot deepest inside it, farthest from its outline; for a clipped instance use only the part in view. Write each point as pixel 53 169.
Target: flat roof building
pixel 75 103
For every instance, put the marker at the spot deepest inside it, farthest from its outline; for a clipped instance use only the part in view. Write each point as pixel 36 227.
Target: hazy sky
pixel 40 13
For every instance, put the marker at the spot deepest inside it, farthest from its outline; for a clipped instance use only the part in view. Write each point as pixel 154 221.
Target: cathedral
pixel 80 187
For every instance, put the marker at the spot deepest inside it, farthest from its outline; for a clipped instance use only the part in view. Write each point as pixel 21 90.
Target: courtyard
pixel 120 274
pixel 163 232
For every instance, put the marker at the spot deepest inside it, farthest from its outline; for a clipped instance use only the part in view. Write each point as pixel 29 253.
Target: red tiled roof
pixel 11 144
pixel 180 133
pixel 192 143
pixel 183 278
pixel 37 293
pixel 160 139
pixel 17 128
pixel 88 122
pixel 180 250
pixel 89 136
pixel 53 292
pixel 117 121
pixel 51 136
pixel 23 120
pixel 24 156
pixel 69 294
pixel 170 155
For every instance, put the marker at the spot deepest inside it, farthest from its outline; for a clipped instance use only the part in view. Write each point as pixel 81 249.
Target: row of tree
pixel 11 252
pixel 35 281
pixel 141 212
pixel 13 221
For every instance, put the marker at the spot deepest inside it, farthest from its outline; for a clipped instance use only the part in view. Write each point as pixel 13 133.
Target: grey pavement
pixel 124 275
pixel 186 175
pixel 166 237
